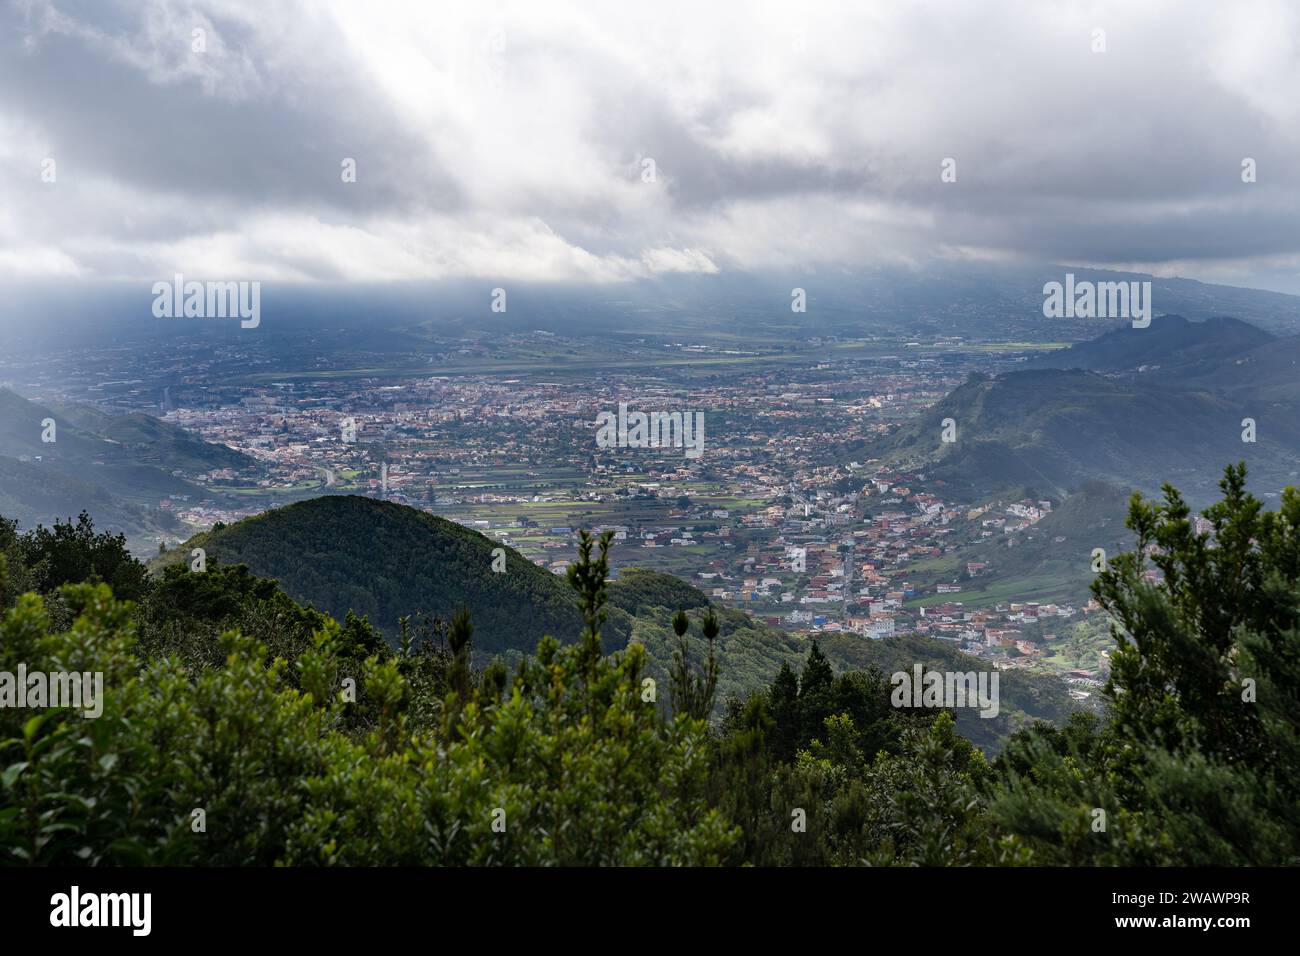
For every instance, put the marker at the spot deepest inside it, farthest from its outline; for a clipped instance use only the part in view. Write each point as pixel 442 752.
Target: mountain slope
pixel 139 472
pixel 1268 375
pixel 41 482
pixel 120 445
pixel 22 425
pixel 1050 561
pixel 150 440
pixel 344 553
pixel 117 467
pixel 32 494
pixel 1053 430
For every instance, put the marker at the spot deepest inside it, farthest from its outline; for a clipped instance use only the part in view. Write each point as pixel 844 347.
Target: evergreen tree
pixel 783 705
pixel 815 701
pixel 1198 763
pixel 693 693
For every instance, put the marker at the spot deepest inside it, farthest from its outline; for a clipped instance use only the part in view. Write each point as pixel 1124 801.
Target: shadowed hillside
pixel 1053 430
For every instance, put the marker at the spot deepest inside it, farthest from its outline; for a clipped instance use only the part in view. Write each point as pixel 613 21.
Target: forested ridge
pixel 240 728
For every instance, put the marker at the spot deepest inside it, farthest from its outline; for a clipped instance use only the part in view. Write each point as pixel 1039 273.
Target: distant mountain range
pixel 1222 355
pixel 945 296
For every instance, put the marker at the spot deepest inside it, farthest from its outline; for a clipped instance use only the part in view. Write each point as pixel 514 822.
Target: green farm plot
pixel 1017 346
pixel 1044 589
pixel 943 566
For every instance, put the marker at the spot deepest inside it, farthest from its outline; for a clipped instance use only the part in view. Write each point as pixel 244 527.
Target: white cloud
pixel 37 262
pixel 507 140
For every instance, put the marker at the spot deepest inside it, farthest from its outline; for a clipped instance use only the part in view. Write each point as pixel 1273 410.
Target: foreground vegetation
pixel 241 728
pixel 382 561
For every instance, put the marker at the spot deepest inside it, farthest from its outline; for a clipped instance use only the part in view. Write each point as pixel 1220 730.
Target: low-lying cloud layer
pixel 603 142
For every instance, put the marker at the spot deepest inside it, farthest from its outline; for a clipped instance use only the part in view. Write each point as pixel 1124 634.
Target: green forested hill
pixel 638 588
pixel 381 560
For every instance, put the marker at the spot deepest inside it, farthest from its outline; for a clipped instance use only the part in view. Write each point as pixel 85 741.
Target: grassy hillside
pixel 1049 561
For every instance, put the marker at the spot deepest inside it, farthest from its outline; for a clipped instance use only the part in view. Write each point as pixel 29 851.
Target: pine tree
pixel 693 693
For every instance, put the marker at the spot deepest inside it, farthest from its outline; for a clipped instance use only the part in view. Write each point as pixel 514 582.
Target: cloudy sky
pixel 514 140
